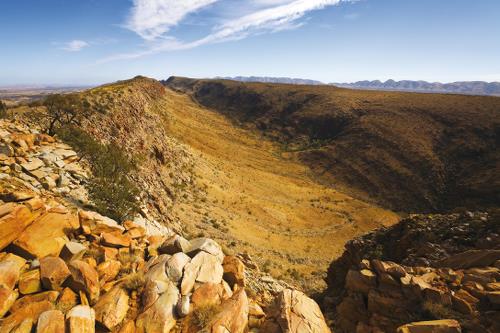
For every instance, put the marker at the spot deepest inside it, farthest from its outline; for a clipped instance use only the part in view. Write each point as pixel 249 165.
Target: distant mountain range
pixel 464 87
pixel 265 79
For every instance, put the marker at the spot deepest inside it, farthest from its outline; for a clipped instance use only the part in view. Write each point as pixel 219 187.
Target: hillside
pixel 190 180
pixel 406 151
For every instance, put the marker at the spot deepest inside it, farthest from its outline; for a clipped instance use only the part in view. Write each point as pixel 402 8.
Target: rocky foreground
pixel 441 269
pixel 64 268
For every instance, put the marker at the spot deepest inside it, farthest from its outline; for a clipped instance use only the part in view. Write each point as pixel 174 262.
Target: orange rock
pixel 115 239
pixel 233 316
pixel 67 300
pixel 14 219
pixel 435 326
pixel 29 282
pixel 48 296
pixel 46 236
pixel 112 308
pixel 128 327
pixel 7 299
pixel 31 312
pixel 207 294
pixel 96 224
pixel 51 322
pixel 108 270
pixel 81 319
pixel 53 272
pixel 84 278
pixel 234 271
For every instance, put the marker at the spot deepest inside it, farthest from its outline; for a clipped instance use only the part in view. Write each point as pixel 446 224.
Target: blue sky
pixel 96 41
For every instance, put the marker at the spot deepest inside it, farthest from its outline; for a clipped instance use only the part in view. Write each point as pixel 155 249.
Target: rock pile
pixel 451 283
pixel 65 269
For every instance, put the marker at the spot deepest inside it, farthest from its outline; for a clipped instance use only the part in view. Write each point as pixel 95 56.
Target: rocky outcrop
pixel 444 268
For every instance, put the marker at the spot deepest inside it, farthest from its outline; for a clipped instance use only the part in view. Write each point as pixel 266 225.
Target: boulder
pixel 174 244
pixel 29 282
pixel 388 267
pixel 183 306
pixel 26 326
pixel 435 326
pixel 159 317
pixel 33 165
pixel 47 296
pixel 234 271
pixel 208 294
pixel 203 268
pixel 115 239
pixel 175 266
pixel 112 308
pixel 108 270
pixel 53 272
pixel 471 258
pixel 9 273
pixel 7 299
pixel 84 278
pixel 67 300
pixel 31 312
pixel 81 319
pixel 206 245
pixel 13 220
pixel 72 251
pixel 361 281
pixel 96 224
pixel 51 322
pixel 233 317
pixel 46 236
pixel 294 312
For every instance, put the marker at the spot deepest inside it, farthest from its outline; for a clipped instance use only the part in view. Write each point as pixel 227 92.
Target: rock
pixel 208 294
pixel 160 317
pixel 48 183
pixel 115 239
pixel 183 306
pixel 206 245
pixel 175 266
pixel 67 300
pixel 29 312
pixel 26 326
pixel 361 281
pixel 203 268
pixel 47 296
pixel 53 272
pixel 72 251
pixel 108 270
pixel 29 282
pixel 435 326
pixel 96 224
pixel 389 267
pixel 174 244
pixel 233 316
pixel 81 319
pixel 9 273
pixel 51 322
pixel 46 236
pixel 112 308
pixel 493 297
pixel 128 327
pixel 14 219
pixel 84 278
pixel 471 258
pixel 33 165
pixel 294 312
pixel 234 271
pixel 7 299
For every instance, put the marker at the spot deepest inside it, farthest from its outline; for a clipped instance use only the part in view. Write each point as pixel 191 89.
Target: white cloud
pixel 151 19
pixel 75 45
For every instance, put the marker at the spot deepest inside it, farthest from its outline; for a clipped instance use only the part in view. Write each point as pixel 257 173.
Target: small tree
pixel 3 110
pixel 63 110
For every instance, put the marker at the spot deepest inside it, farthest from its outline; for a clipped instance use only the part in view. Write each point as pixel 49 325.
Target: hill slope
pixel 407 151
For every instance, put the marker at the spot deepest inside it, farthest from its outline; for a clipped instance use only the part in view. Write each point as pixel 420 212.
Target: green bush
pixel 112 193
pixel 3 110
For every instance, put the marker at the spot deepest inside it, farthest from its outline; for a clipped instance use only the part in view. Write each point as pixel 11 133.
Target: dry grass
pixel 134 281
pixel 203 316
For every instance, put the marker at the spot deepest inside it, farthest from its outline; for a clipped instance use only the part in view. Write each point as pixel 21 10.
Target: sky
pixel 88 42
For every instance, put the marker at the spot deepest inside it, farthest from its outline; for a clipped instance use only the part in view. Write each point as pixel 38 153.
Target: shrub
pixel 64 110
pixel 112 193
pixel 3 110
pixel 135 281
pixel 203 316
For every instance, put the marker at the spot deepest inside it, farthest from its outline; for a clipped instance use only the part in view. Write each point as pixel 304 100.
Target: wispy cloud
pixel 75 45
pixel 153 19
